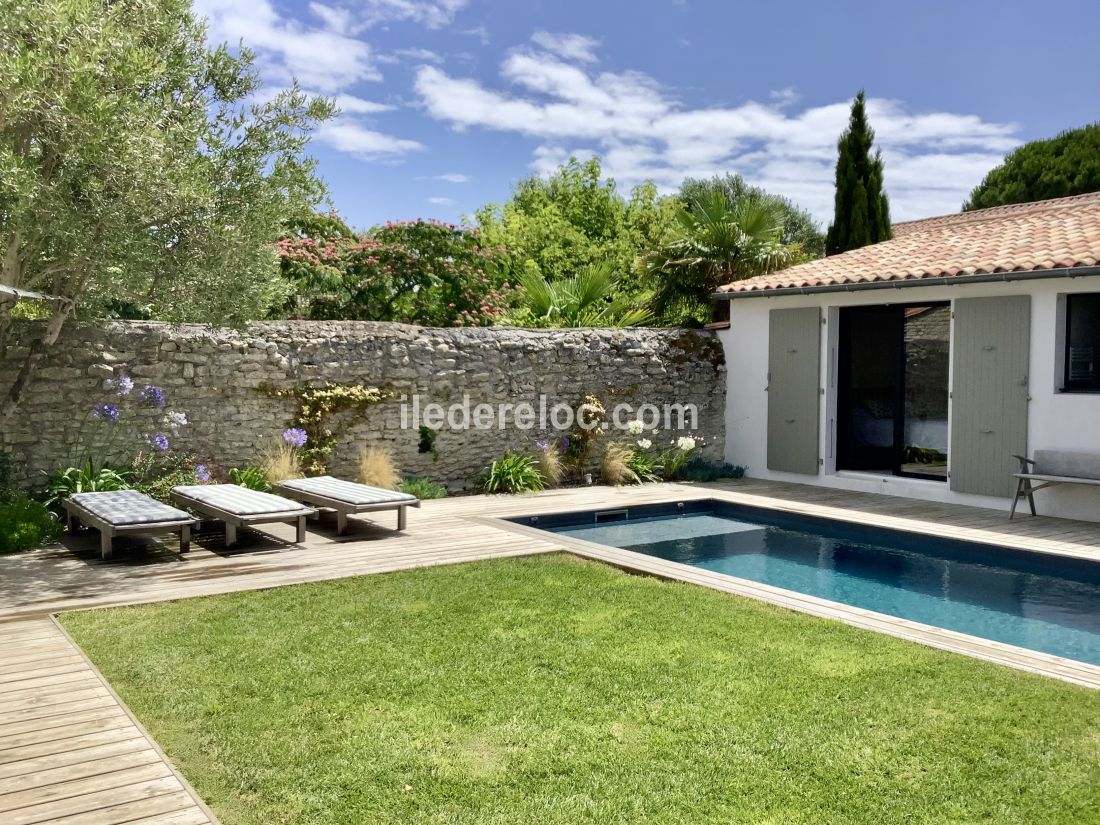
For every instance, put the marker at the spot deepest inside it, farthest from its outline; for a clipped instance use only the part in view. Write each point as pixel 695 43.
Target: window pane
pixel 1083 341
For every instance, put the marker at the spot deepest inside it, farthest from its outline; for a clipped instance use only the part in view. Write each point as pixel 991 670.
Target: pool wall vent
pixel 534 520
pixel 680 507
pixel 610 515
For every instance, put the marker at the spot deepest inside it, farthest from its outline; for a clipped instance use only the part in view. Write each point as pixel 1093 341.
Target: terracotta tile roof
pixel 1025 237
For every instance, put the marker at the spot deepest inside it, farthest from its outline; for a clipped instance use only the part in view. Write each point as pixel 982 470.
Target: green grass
pixel 550 690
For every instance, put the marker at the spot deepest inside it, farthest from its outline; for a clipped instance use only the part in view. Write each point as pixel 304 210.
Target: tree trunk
pixel 62 310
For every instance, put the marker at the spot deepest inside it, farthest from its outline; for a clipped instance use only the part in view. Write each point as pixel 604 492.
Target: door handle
pixel 790 420
pixel 985 432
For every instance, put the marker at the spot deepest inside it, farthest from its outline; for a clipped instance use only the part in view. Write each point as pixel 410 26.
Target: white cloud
pixel 787 96
pixel 317 56
pixel 432 13
pixel 643 132
pixel 350 136
pixel 335 19
pixel 480 32
pixel 577 47
pixel 352 105
pixel 449 177
pixel 325 57
pixel 417 55
pixel 439 201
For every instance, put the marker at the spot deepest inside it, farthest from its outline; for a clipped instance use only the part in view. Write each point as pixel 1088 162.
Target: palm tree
pixel 715 242
pixel 588 299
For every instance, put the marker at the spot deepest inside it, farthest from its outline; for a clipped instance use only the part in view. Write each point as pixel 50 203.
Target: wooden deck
pixel 70 752
pixel 448 531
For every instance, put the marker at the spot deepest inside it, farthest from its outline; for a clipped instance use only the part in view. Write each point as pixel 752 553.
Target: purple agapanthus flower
pixel 106 412
pixel 295 437
pixel 564 443
pixel 159 441
pixel 153 396
pixel 202 473
pixel 542 444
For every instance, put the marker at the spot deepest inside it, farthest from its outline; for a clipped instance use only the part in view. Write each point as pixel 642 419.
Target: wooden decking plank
pixel 89 689
pixel 99 802
pixel 55 752
pixel 173 808
pixel 58 710
pixel 86 786
pixel 61 726
pixel 49 690
pixel 58 659
pixel 104 764
pixel 39 675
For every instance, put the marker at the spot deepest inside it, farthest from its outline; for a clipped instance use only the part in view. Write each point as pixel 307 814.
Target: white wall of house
pixel 1056 420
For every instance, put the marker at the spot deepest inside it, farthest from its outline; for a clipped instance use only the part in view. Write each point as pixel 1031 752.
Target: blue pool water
pixel 1032 600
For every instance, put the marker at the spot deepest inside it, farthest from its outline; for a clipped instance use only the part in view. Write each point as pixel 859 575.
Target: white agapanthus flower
pixel 635 428
pixel 175 420
pixel 685 443
pixel 645 443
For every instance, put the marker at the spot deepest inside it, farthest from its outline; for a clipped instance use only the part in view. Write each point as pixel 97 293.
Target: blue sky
pixel 447 103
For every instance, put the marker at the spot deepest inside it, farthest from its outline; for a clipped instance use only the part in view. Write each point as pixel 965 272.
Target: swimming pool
pixel 1034 600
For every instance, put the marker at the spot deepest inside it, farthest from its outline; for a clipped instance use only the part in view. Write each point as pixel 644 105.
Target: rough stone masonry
pixel 216 376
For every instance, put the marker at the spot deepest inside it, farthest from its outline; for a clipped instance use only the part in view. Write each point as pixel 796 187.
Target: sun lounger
pixel 118 512
pixel 346 498
pixel 240 507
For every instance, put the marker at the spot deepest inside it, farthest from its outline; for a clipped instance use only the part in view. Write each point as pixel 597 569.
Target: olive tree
pixel 141 171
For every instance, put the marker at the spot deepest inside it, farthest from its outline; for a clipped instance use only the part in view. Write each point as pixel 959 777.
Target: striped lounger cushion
pixel 348 492
pixel 126 508
pixel 239 500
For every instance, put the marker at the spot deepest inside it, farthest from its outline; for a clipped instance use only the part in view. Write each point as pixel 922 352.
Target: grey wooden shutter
pixel 990 365
pixel 794 389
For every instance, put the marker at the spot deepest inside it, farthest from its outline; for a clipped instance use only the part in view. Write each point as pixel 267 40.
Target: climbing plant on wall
pixel 325 412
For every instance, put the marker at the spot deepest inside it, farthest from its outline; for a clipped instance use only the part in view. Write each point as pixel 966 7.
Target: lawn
pixel 551 690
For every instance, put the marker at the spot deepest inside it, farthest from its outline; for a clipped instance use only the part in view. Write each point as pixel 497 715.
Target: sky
pixel 446 104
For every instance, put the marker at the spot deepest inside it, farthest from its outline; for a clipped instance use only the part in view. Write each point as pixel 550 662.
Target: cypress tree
pixel 861 214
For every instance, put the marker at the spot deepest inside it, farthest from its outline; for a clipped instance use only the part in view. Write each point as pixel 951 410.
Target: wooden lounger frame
pixel 344 509
pixel 75 512
pixel 233 520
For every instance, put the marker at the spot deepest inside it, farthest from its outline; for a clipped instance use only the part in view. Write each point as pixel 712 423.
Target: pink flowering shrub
pixel 415 272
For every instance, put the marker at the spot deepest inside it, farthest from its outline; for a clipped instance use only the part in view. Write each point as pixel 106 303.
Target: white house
pixel 920 365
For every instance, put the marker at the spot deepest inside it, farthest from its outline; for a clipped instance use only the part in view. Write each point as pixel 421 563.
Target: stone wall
pixel 218 378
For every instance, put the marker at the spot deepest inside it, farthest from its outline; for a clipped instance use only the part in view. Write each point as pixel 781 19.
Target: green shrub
pixel 646 466
pixel 87 478
pixel 8 490
pixel 25 524
pixel 156 473
pixel 254 478
pixel 698 468
pixel 423 488
pixel 512 473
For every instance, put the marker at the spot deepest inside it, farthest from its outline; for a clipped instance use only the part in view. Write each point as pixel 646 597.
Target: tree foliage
pixel 799 226
pixel 134 170
pixel 1068 164
pixel 414 272
pixel 716 242
pixel 861 214
pixel 561 224
pixel 588 299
